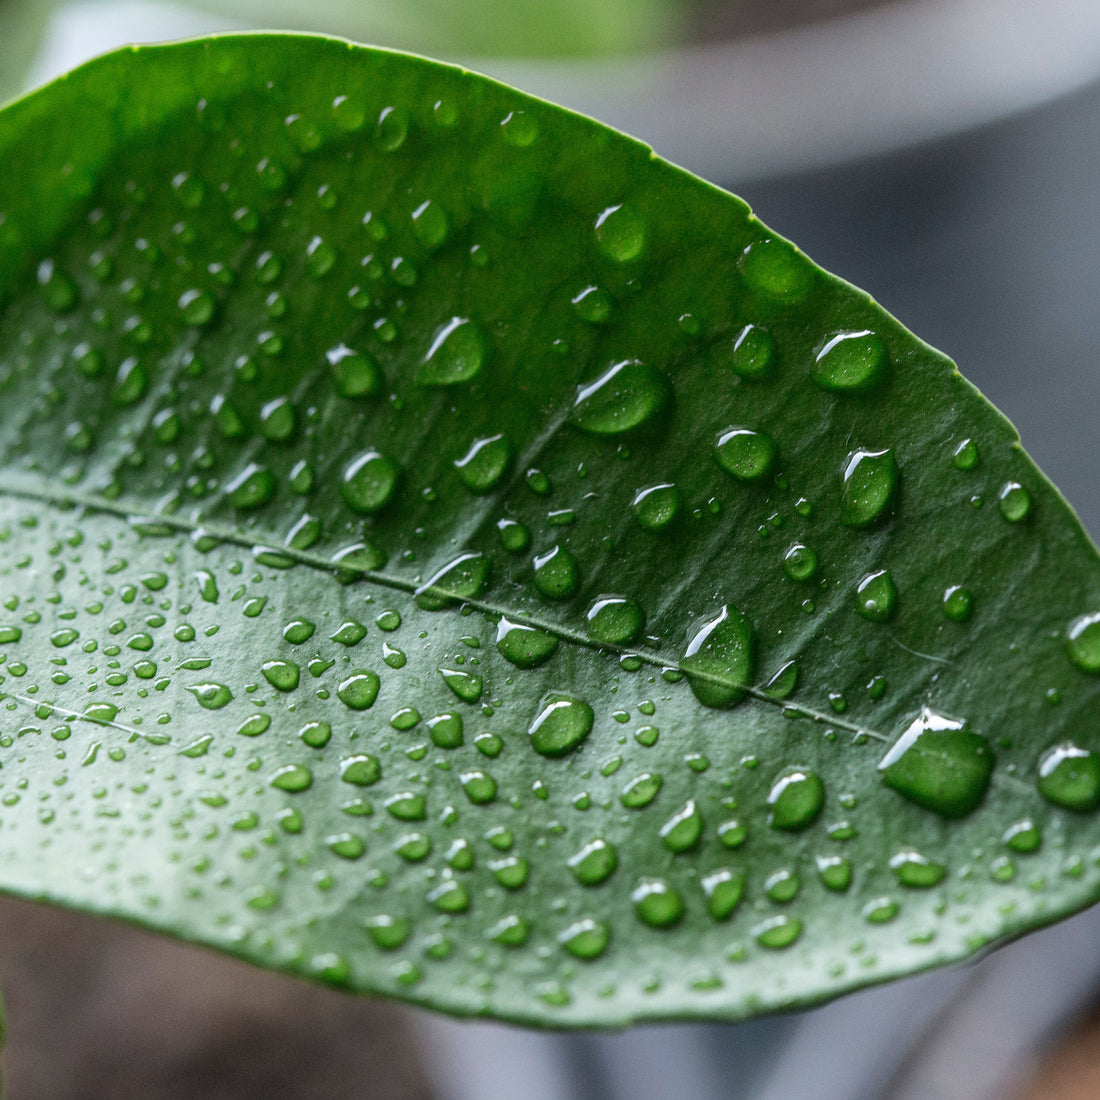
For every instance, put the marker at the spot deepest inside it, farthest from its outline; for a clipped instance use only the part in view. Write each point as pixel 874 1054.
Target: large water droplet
pixel 456 354
pixel 1069 776
pixel 463 578
pixel 850 361
pixel 368 482
pixel 719 659
pixel 627 395
pixel 796 799
pixel 774 267
pixel 560 724
pixel 868 484
pixel 745 453
pixel 254 486
pixel 359 690
pixel 940 764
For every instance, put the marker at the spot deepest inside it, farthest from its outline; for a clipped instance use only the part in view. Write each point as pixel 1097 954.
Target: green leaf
pixel 447 551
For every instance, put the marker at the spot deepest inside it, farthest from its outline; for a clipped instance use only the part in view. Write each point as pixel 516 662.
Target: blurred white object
pixel 824 93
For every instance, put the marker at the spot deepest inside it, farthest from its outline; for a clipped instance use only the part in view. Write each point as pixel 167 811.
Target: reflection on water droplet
pixel 940 764
pixel 800 563
pixel 212 696
pixel 746 454
pixel 778 932
pixel 958 603
pixel 560 724
pixel 292 778
pixel 869 482
pixel 1069 776
pixel 683 830
pixel 753 353
pixel 556 573
pixel 796 799
pixel 359 690
pixel 354 374
pixel 719 659
pixel 455 355
pixel 463 578
pixel 254 486
pixel 585 939
pixel 627 395
pixel 877 596
pixel 368 482
pixel 657 903
pixel 850 361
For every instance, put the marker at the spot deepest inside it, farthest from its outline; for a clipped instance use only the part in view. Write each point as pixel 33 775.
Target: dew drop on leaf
pixel 795 799
pixel 940 764
pixel 614 620
pixel 1014 502
pixel 877 596
pixel 915 870
pixel 485 463
pixel 594 863
pixel 723 890
pixel 682 831
pixel 585 939
pixel 368 482
pixel 850 361
pixel 1069 776
pixel 656 507
pixel 524 646
pixel 1083 642
pixel 556 573
pixel 718 659
pixel 560 724
pixel 752 353
pixel 211 695
pixel 620 234
pixel 456 354
pixel 627 395
pixel 359 690
pixel 958 603
pixel 775 268
pixel 745 453
pixel 657 903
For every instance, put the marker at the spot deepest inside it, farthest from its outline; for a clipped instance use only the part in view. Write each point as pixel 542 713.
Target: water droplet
pixel 774 267
pixel 778 932
pixel 197 307
pixel 627 395
pixel 1023 837
pixel 362 770
pixel 940 764
pixel 524 646
pixel 354 374
pixel 958 603
pixel 752 354
pixel 966 455
pixel 657 903
pixel 369 482
pixel 850 361
pixel 388 620
pixel 292 778
pixel 916 870
pixel 835 872
pixel 346 845
pixel 456 354
pixel 254 725
pixel 593 305
pixel 620 234
pixel 58 289
pixel 594 863
pixel 392 129
pixel 585 939
pixel 212 696
pixel 556 573
pixel 514 537
pixel 446 730
pixel 719 659
pixel 405 719
pixel 466 685
pixel 723 890
pixel 388 933
pixel 485 463
pixel 877 596
pixel 450 896
pixel 796 799
pixel 254 486
pixel 431 224
pixel 1083 642
pixel 656 507
pixel 480 788
pixel 359 690
pixel 1070 777
pixel 615 620
pixel 321 257
pixel 800 563
pixel 746 454
pixel 1014 501
pixel 640 791
pixel 510 872
pixel 349 633
pixel 868 484
pixel 682 831
pixel 281 675
pixel 560 724
pixel 464 578
pixel 316 734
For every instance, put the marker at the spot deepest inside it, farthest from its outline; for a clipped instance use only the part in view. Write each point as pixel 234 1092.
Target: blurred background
pixel 942 154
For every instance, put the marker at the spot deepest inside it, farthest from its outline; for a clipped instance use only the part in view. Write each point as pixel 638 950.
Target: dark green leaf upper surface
pixel 447 551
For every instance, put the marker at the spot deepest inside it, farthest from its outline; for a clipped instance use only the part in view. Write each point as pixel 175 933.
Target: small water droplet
pixel 359 690
pixel 281 675
pixel 753 353
pixel 485 463
pixel 1014 502
pixel 524 646
pixel 745 453
pixel 615 620
pixel 850 361
pixel 392 129
pixel 958 603
pixel 869 482
pixel 774 267
pixel 682 831
pixel 620 234
pixel 1083 642
pixel 777 932
pixel 966 455
pixel 594 863
pixel 292 778
pixel 354 374
pixel 585 939
pixel 835 872
pixel 254 486
pixel 212 696
pixel 916 870
pixel 369 482
pixel 877 596
pixel 466 685
pixel 656 507
pixel 640 791
pixel 657 903
pixel 463 578
pixel 556 573
pixel 800 563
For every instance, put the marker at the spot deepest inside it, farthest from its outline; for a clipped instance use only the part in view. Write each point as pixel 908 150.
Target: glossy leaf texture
pixel 449 552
